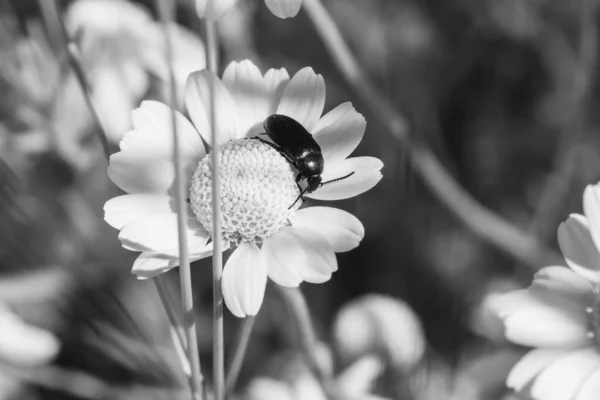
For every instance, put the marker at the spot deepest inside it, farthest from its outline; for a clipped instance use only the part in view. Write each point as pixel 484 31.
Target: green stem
pixel 239 352
pixel 217 260
pixel 165 11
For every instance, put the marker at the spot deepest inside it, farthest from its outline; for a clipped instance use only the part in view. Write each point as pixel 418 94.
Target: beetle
pixel 300 149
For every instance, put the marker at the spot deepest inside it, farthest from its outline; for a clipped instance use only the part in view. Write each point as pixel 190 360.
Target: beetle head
pixel 313 183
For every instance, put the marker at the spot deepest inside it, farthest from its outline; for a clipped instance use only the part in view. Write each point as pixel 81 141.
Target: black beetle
pixel 297 146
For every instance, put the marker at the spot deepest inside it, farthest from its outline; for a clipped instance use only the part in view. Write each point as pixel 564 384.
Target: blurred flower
pixel 355 383
pixel 258 184
pixel 560 315
pixel 215 9
pixel 378 324
pixel 22 344
pixel 121 47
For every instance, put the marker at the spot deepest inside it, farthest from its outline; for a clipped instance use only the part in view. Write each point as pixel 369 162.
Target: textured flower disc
pixel 257 188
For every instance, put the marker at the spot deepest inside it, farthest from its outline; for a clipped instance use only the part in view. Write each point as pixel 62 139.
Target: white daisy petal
pixel 136 172
pixel 158 233
pixel 591 208
pixel 244 82
pixel 563 281
pixel 153 121
pixel 530 366
pixel 563 378
pixel 198 105
pixel 149 265
pixel 339 132
pixel 284 8
pixel 578 248
pixel 114 101
pixel 366 175
pixel 296 254
pixel 591 387
pixel 244 280
pixel 304 98
pixel 533 319
pixel 275 81
pixel 341 229
pixel 121 210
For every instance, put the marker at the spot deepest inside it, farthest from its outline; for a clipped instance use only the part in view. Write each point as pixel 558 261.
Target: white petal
pixel 213 10
pixel 578 248
pixel 359 378
pixel 304 98
pixel 114 101
pixel 275 82
pixel 284 8
pixel 339 132
pixel 563 378
pixel 591 208
pixel 158 233
pixel 198 104
pixel 153 120
pixel 244 82
pixel 149 265
pixel 562 281
pixel 530 366
pixel 25 345
pixel 296 254
pixel 121 210
pixel 136 172
pixel 244 281
pixel 366 175
pixel 590 388
pixel 268 389
pixel 341 229
pixel 535 319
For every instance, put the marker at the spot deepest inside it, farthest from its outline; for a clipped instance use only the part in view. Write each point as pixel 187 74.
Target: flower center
pixel 257 188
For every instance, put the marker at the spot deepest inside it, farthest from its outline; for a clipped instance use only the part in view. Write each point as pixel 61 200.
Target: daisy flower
pixel 258 184
pixel 559 315
pixel 215 9
pixel 122 47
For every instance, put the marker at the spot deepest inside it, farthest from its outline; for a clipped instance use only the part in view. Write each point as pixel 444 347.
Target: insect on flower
pixel 299 148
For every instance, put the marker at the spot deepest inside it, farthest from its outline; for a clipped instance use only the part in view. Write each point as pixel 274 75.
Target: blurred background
pixel 502 92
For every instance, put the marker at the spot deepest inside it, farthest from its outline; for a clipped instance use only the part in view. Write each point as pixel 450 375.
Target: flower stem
pixel 217 260
pixel 307 339
pixel 165 11
pixel 239 353
pixel 484 222
pixel 55 26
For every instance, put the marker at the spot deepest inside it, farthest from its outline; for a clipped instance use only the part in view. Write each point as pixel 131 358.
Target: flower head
pixel 123 47
pixel 258 184
pixel 559 314
pixel 215 9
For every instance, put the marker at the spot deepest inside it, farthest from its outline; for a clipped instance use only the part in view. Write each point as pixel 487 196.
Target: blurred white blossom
pixel 22 344
pixel 378 324
pixel 215 9
pixel 122 47
pixel 559 314
pixel 354 383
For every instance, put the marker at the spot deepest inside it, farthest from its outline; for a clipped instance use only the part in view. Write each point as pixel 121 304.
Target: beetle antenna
pixel 337 179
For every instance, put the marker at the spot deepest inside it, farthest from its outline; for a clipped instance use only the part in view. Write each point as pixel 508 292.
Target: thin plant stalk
pixel 239 352
pixel 55 25
pixel 484 222
pixel 165 11
pixel 307 338
pixel 217 259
